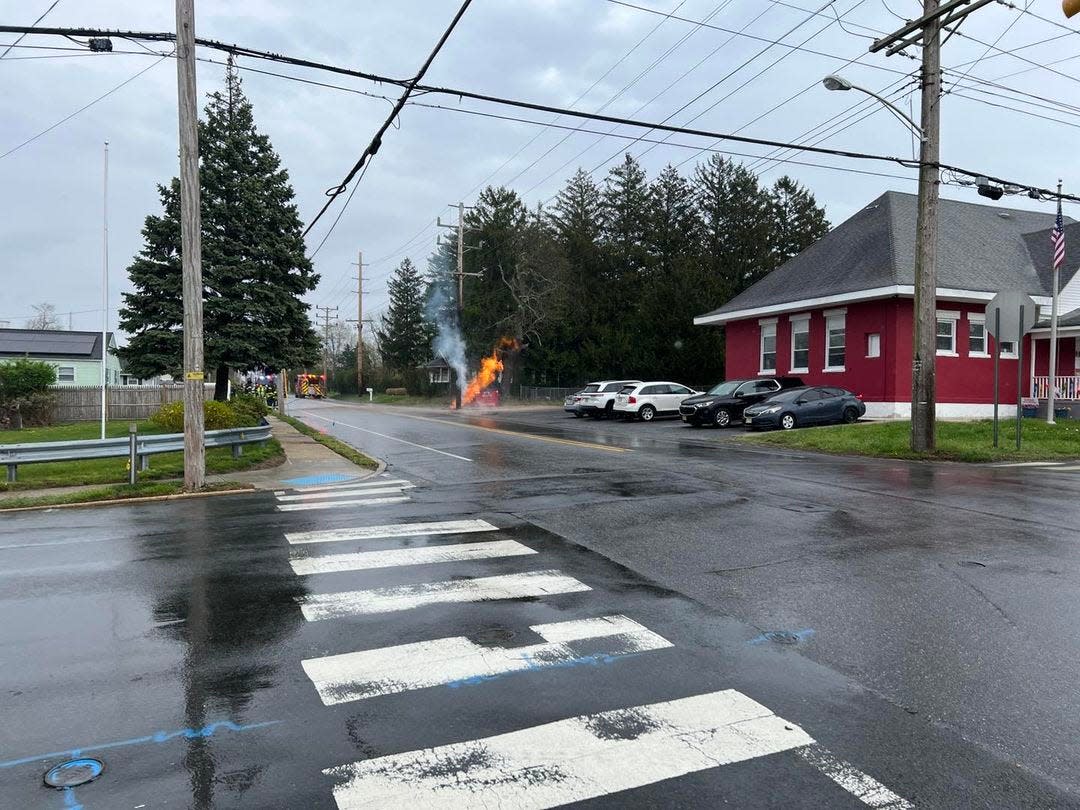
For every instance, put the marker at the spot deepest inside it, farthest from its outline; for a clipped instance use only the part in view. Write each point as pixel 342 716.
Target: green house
pixel 75 355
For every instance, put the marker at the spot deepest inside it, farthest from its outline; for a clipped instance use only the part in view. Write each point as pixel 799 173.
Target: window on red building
pixel 800 343
pixel 835 340
pixel 768 347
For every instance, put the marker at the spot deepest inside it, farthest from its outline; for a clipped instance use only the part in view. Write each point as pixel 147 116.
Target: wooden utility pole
pixel 457 385
pixel 190 247
pixel 924 341
pixel 936 16
pixel 359 323
pixel 326 343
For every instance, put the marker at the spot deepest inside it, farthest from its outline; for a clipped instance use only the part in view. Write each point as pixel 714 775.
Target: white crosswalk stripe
pixel 573 760
pixel 424 555
pixel 345 493
pixel 377 482
pixel 391 530
pixel 359 675
pixel 549 765
pixel 299 507
pixel 316 607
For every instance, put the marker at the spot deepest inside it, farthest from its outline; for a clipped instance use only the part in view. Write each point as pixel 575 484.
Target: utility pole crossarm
pixel 930 15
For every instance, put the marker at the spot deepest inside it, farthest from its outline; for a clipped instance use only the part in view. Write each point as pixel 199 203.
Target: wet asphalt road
pixel 931 612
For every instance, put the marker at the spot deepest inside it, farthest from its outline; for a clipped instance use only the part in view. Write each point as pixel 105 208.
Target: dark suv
pixel 724 404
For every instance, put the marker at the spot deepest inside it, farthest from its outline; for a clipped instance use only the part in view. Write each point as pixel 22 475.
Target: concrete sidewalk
pixel 306 463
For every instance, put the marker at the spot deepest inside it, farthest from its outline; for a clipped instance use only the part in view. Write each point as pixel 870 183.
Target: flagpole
pixel 105 293
pixel 1054 323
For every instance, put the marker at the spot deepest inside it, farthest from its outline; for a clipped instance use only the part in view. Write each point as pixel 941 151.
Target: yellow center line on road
pixel 570 442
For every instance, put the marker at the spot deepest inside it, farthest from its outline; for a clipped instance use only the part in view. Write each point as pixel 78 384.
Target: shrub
pixel 249 409
pixel 21 378
pixel 24 393
pixel 396 392
pixel 218 416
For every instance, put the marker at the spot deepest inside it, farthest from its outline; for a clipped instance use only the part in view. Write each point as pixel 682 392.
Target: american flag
pixel 1057 236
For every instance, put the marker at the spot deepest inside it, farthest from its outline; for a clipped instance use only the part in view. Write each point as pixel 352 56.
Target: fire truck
pixel 310 385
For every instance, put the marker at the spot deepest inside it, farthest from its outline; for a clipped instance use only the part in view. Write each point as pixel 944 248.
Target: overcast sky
pixel 550 51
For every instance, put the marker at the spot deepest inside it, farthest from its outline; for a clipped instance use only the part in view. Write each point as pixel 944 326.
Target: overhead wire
pixel 45 13
pixel 376 141
pixel 85 107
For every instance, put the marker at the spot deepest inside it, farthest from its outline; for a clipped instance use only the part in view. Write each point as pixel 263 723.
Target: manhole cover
pixel 782 637
pixel 493 635
pixel 74 772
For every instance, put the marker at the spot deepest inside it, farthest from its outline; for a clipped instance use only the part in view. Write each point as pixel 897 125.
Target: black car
pixel 723 405
pixel 798 407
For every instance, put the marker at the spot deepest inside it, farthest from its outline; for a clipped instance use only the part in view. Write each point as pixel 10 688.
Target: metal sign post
pixel 1013 315
pixel 1019 381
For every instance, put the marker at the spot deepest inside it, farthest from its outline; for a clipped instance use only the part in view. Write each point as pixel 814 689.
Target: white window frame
pixel 766 328
pixel 60 373
pixel 951 317
pixel 1007 354
pixel 873 344
pixel 980 319
pixel 831 316
pixel 800 324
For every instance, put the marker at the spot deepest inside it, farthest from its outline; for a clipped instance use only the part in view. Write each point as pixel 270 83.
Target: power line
pixel 373 147
pixel 35 22
pixel 67 118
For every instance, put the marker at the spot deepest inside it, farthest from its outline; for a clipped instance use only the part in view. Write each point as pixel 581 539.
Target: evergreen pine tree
pixel 254 265
pixel 404 335
pixel 797 221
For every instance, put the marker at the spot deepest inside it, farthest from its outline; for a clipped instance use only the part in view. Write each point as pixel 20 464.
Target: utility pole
pixel 927 28
pixel 326 342
pixel 360 321
pixel 460 273
pixel 190 248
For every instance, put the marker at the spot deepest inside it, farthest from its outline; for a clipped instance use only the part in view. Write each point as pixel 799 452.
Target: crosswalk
pixel 1044 466
pixel 580 757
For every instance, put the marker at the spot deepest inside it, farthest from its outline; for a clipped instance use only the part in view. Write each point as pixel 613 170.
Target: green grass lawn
pixel 346 451
pixel 115 492
pixel 114 470
pixel 956 441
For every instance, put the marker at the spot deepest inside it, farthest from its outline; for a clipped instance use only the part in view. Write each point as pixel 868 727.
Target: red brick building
pixel 840 313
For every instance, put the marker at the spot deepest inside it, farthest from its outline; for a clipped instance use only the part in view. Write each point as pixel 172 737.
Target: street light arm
pixel 904 118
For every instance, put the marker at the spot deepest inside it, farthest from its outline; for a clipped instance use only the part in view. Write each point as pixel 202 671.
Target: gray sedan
pixel 798 407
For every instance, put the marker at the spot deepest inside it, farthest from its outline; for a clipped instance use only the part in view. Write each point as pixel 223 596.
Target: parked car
pixel 723 405
pixel 798 407
pixel 601 402
pixel 572 404
pixel 648 400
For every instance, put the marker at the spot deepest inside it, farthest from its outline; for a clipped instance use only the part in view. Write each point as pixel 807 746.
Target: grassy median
pixel 116 492
pixel 114 470
pixel 956 441
pixel 346 451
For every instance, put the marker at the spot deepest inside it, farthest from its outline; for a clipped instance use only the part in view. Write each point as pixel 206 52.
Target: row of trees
pixel 607 280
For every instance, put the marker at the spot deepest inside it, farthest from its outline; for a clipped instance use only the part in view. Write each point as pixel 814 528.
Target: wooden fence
pixel 82 403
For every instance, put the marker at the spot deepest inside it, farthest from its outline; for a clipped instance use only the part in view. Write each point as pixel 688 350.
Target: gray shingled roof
pixel 51 343
pixel 980 247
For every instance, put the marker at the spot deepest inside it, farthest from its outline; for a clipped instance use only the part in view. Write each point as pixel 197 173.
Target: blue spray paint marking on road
pixel 782 636
pixel 328 478
pixel 157 737
pixel 70 802
pixel 532 665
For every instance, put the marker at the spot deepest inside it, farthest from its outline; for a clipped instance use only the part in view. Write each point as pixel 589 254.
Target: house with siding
pixel 77 356
pixel 841 312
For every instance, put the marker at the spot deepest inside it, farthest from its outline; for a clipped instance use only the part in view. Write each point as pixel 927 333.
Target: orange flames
pixel 490 367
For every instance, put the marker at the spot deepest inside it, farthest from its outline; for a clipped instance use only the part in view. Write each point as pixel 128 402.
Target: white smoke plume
pixel 448 342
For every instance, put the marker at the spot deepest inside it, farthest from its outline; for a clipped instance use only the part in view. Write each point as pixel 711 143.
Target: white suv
pixel 651 399
pixel 598 398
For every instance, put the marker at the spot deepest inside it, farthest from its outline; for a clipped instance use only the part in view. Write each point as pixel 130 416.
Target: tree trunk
pixel 221 383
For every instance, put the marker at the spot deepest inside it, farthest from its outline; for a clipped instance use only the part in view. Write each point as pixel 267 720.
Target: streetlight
pixel 924 305
pixel 834 82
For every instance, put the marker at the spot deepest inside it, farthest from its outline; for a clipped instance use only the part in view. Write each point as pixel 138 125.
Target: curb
pixel 118 501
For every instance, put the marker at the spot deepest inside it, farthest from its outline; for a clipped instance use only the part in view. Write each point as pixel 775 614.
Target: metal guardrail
pixel 12 455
